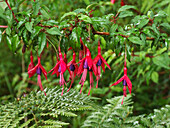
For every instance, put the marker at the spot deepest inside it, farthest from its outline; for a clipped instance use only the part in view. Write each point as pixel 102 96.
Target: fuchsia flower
pixel 87 64
pixel 126 81
pixel 100 61
pixel 37 69
pixel 82 52
pixel 60 68
pixel 73 69
pixel 31 65
pixel 122 3
pixel 113 1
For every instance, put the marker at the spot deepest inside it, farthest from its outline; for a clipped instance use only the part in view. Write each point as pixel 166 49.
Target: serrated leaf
pixel 165 25
pixel 113 28
pixel 126 7
pixel 9 43
pixel 68 14
pixel 54 31
pixel 85 18
pixel 142 23
pixel 36 7
pixel 155 77
pixel 41 42
pixel 35 31
pixel 161 14
pixel 20 23
pixel 162 61
pixel 15 41
pixel 135 40
pixel 28 26
pixel 8 31
pixel 125 14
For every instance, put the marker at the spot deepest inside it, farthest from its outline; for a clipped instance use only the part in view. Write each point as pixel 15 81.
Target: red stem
pixel 11 10
pixel 2 26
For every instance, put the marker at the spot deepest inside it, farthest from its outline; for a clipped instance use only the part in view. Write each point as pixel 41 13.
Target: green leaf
pixel 87 2
pixel 142 23
pixel 161 14
pixel 15 42
pixel 113 28
pixel 135 40
pixel 68 14
pixel 20 23
pixel 28 26
pixel 91 6
pixel 155 77
pixel 165 25
pixel 125 14
pixel 126 7
pixel 36 7
pixel 45 11
pixel 54 31
pixel 85 18
pixel 41 42
pixel 8 31
pixel 35 31
pixel 162 61
pixel 9 42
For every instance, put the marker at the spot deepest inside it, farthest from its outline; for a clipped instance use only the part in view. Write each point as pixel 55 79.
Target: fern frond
pixel 37 110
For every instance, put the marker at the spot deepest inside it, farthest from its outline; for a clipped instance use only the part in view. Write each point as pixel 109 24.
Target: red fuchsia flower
pixel 82 52
pixel 31 65
pixel 113 1
pixel 87 64
pixel 126 82
pixel 37 69
pixel 122 3
pixel 73 69
pixel 100 61
pixel 60 68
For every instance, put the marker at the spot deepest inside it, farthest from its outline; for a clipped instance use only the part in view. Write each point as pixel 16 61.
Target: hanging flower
pixel 31 65
pixel 113 1
pixel 82 52
pixel 60 68
pixel 73 69
pixel 126 82
pixel 37 69
pixel 100 61
pixel 122 3
pixel 87 65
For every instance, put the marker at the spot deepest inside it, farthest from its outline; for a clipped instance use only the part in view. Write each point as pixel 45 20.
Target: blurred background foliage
pixel 150 78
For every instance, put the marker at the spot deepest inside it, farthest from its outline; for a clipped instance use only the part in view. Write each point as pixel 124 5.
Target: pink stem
pixel 2 26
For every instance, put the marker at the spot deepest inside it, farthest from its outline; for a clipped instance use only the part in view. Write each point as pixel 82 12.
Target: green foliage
pixel 115 115
pixel 36 109
pixel 142 25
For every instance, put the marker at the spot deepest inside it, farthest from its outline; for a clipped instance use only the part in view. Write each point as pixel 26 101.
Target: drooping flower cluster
pixel 86 64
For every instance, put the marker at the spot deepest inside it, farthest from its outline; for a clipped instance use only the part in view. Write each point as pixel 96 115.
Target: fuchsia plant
pixel 100 61
pixel 126 81
pixel 37 69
